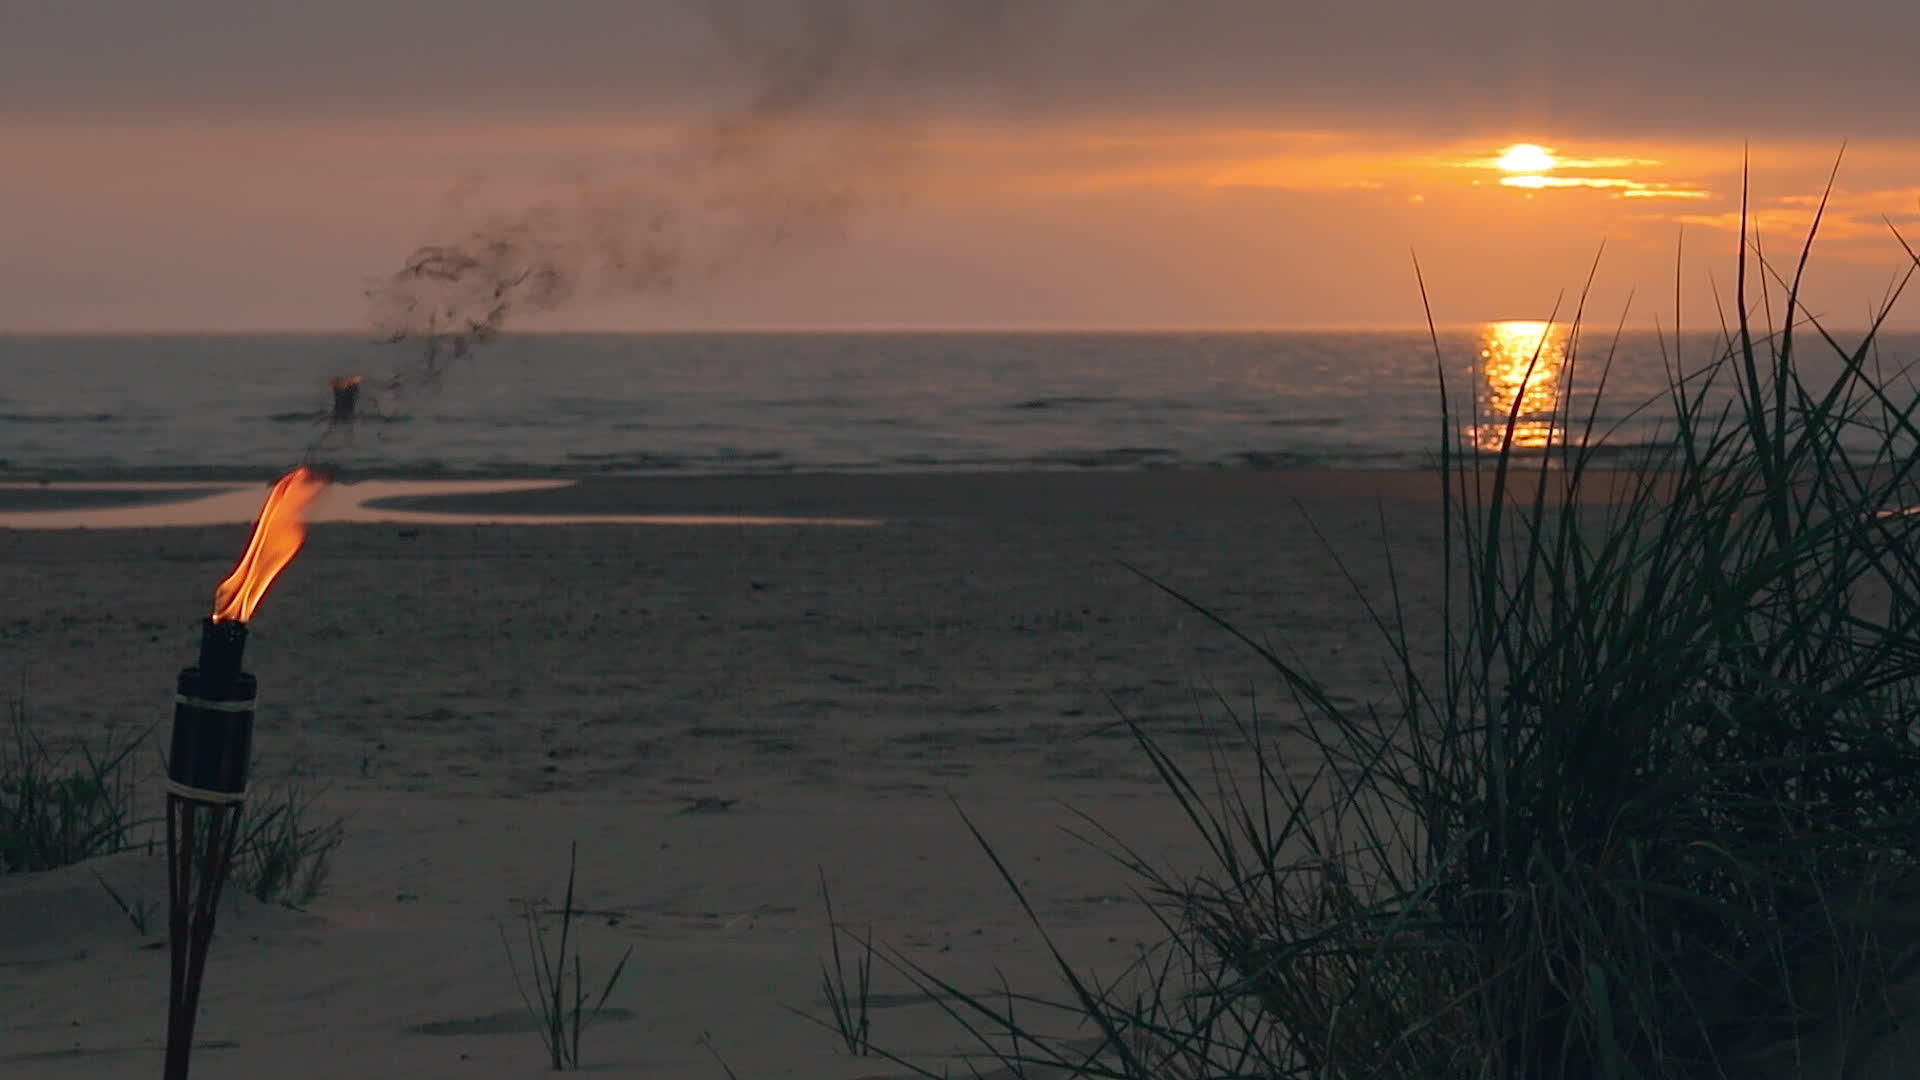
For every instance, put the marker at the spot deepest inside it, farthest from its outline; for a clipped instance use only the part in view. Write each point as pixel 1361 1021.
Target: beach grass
pixel 283 854
pixel 561 1010
pixel 138 909
pixel 60 806
pixel 847 991
pixel 1640 807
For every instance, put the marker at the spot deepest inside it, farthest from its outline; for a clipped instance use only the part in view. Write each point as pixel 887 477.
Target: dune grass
pixel 848 993
pixel 58 807
pixel 283 854
pixel 561 1010
pixel 1644 814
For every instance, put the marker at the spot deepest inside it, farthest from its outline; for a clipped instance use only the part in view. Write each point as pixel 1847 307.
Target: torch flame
pixel 277 537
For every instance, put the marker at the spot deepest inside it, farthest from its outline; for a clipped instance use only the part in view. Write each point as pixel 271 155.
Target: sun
pixel 1525 158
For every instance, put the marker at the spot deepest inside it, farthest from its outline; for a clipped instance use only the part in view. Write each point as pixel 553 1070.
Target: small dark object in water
pixel 346 394
pixel 341 418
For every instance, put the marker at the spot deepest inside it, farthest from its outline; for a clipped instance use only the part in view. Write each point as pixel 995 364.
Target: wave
pixel 1127 458
pixel 1112 458
pixel 640 459
pixel 1659 446
pixel 1063 401
pixel 316 416
pixel 62 418
pixel 813 401
pixel 1118 459
pixel 1275 459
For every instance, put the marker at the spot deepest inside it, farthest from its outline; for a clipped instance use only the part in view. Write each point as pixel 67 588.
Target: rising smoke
pixel 837 93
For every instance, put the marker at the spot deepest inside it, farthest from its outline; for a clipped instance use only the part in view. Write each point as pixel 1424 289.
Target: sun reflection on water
pixel 1520 361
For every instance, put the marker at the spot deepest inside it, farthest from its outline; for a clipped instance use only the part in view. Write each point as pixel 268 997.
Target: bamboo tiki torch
pixel 212 745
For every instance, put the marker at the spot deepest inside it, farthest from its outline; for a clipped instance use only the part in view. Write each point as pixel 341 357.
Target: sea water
pixel 566 405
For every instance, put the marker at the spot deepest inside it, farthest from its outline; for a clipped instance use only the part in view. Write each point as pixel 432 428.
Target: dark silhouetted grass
pixel 1643 814
pixel 848 994
pixel 283 855
pixel 561 1010
pixel 57 808
pixel 139 910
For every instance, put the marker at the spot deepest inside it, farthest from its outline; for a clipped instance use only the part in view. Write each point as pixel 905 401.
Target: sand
pixel 717 715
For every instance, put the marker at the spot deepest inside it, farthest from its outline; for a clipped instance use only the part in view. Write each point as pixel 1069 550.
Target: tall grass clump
pixel 283 854
pixel 1636 812
pixel 57 808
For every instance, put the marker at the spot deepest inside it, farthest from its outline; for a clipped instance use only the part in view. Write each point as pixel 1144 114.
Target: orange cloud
pixel 1848 214
pixel 1631 189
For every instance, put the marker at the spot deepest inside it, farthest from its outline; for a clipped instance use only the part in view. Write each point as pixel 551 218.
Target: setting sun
pixel 1525 158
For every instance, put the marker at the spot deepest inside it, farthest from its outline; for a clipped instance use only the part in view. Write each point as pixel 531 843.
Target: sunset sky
pixel 258 165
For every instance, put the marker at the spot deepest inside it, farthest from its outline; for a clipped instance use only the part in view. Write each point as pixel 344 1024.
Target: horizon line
pixel 854 329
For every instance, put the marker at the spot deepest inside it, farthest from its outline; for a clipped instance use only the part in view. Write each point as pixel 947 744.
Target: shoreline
pixel 527 499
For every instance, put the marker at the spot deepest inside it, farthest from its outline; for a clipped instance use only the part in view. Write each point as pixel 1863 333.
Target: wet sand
pixel 34 497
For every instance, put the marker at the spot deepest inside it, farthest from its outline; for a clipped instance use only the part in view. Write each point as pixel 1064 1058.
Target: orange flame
pixel 342 382
pixel 277 537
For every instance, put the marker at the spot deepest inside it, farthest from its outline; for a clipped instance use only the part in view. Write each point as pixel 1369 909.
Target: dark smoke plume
pixel 836 93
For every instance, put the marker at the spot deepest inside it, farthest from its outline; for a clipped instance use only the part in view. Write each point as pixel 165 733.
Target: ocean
pixel 567 405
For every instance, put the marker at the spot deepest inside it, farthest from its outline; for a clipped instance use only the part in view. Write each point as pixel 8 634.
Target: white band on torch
pixel 218 798
pixel 214 706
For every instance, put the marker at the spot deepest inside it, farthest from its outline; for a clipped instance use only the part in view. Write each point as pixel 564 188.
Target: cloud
pixel 1560 162
pixel 1629 189
pixel 1849 215
pixel 1406 66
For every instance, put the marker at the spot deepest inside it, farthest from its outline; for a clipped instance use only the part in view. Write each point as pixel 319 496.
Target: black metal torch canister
pixel 206 787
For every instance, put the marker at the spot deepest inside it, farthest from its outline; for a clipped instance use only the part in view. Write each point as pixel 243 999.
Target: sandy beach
pixel 747 448
pixel 718 715
pixel 472 698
